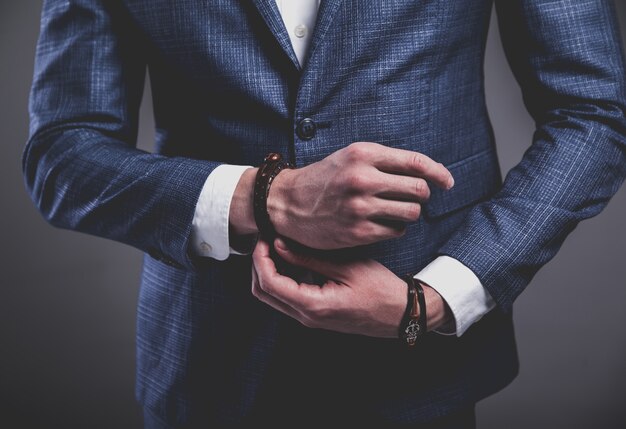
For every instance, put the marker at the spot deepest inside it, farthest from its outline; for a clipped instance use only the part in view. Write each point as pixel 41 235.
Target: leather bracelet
pixel 411 291
pixel 421 300
pixel 268 170
pixel 415 324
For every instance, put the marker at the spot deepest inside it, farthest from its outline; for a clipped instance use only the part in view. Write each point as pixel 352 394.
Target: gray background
pixel 67 300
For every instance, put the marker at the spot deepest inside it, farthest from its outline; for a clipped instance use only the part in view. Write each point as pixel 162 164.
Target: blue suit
pixel 227 88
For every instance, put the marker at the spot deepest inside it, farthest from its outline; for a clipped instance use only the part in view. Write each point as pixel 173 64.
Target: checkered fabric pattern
pixel 227 88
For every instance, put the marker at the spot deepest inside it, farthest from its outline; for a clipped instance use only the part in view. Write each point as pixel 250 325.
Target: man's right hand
pixel 361 194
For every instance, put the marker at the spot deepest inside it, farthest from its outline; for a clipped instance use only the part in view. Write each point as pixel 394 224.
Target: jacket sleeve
pixel 80 164
pixel 567 57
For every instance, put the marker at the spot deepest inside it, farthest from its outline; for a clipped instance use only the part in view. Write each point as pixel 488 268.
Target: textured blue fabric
pixel 227 87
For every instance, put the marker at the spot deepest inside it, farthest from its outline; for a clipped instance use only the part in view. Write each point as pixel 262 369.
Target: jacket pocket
pixel 476 178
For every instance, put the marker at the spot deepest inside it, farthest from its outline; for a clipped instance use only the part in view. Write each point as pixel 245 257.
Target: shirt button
pixel 306 129
pixel 205 247
pixel 300 31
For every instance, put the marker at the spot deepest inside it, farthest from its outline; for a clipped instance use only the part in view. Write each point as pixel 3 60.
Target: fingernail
pixel 450 182
pixel 280 243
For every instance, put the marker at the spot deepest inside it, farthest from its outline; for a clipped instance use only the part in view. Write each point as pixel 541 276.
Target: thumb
pixel 308 260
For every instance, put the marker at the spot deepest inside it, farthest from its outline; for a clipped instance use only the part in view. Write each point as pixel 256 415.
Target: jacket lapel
pixel 270 13
pixel 325 16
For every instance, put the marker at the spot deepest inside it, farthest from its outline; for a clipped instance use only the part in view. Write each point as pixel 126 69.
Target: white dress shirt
pixel 457 284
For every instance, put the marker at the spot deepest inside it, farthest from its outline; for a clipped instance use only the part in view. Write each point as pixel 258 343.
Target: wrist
pixel 439 312
pixel 280 203
pixel 241 212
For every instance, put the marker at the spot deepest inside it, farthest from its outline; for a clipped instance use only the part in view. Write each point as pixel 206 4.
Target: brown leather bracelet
pixel 268 170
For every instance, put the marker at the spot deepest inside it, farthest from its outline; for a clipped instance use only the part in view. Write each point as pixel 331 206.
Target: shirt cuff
pixel 209 232
pixel 462 291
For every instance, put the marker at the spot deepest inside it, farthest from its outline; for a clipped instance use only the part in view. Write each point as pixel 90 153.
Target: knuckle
pixel 357 151
pixel 360 232
pixel 370 233
pixel 414 211
pixel 356 208
pixel 422 189
pixel 416 161
pixel 356 182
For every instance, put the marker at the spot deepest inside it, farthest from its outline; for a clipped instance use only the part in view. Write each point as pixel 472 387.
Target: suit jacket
pixel 227 88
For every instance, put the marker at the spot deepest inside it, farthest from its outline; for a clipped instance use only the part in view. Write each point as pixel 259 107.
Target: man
pixel 369 100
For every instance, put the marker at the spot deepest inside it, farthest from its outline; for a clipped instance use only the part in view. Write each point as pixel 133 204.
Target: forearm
pixel 568 61
pixel 83 180
pixel 241 213
pixel 80 164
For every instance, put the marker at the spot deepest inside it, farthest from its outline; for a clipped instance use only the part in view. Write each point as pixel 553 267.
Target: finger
pixel 281 287
pixel 394 186
pixel 384 229
pixel 309 261
pixel 261 250
pixel 414 164
pixel 376 229
pixel 276 304
pixel 403 211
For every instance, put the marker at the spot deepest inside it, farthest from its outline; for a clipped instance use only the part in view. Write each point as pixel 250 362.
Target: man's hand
pixel 361 194
pixel 360 297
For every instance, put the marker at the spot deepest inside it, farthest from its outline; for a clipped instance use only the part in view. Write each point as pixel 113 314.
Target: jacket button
pixel 306 129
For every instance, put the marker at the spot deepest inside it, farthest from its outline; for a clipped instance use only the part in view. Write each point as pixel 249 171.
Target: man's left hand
pixel 360 297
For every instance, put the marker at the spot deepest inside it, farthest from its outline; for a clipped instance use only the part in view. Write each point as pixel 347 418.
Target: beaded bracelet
pixel 268 170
